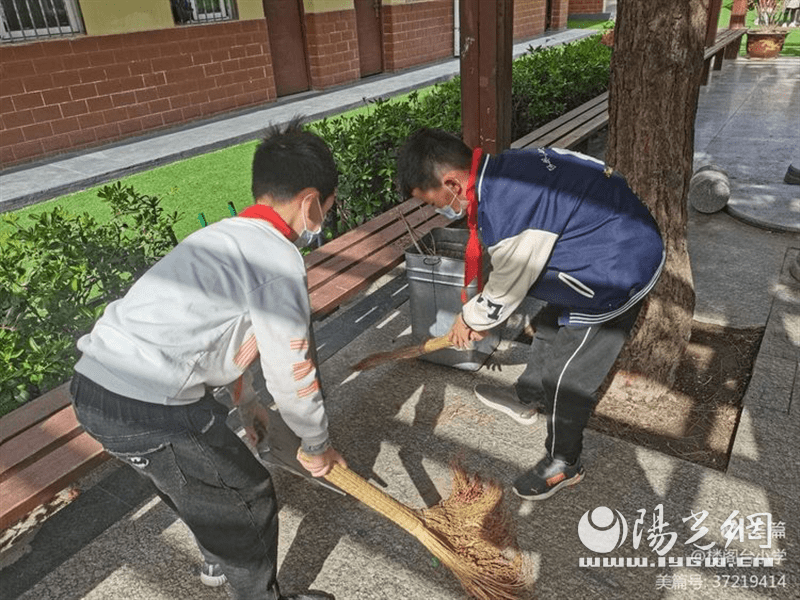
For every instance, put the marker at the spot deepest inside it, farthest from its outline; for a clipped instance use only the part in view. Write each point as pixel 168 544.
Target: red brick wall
pixel 332 48
pixel 529 18
pixel 585 7
pixel 414 34
pixel 60 95
pixel 559 14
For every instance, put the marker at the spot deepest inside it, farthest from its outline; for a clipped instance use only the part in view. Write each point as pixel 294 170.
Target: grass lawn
pixel 587 24
pixel 204 183
pixel 201 184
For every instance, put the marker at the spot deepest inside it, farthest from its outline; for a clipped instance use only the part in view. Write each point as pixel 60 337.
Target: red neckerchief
pixel 473 259
pixel 268 214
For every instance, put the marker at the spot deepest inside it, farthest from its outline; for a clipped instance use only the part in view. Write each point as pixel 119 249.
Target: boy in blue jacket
pixel 559 227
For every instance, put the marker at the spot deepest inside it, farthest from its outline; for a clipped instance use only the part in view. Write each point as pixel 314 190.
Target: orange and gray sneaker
pixel 547 477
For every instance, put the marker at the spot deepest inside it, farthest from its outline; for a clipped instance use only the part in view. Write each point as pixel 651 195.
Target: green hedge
pixel 548 82
pixel 365 146
pixel 60 270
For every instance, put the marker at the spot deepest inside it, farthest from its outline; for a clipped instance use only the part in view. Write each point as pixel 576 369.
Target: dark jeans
pixel 566 367
pixel 202 470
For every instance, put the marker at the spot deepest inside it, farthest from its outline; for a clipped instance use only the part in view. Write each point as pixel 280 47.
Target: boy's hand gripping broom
pixel 469 532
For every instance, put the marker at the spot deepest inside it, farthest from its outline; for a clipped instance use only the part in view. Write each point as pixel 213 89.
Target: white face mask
pixel 308 237
pixel 449 212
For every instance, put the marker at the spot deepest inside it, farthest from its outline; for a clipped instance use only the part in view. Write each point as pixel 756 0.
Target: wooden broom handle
pixel 364 491
pixel 437 343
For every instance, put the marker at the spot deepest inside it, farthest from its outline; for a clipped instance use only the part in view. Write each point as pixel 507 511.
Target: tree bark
pixel 656 72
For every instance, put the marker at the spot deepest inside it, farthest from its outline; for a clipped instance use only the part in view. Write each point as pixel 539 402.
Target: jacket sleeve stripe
pixel 247 353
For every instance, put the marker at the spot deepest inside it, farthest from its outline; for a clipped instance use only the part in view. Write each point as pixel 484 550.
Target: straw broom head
pixel 470 532
pixel 476 525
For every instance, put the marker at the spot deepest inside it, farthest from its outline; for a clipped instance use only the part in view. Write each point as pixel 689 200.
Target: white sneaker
pixel 212 575
pixel 506 401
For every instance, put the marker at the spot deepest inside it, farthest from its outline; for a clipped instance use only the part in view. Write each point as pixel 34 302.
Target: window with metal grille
pixel 31 19
pixel 202 11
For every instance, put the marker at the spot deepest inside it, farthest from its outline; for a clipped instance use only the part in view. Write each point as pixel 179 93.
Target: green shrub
pixel 547 82
pixel 58 273
pixel 365 147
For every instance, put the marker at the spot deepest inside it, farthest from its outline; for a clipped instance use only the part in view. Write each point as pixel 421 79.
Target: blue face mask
pixel 449 212
pixel 308 237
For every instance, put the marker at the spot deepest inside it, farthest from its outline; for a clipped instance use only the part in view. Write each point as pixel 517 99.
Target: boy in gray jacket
pixel 227 295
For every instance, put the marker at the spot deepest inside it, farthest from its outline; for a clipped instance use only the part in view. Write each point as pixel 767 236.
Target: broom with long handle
pixel 467 523
pixel 426 347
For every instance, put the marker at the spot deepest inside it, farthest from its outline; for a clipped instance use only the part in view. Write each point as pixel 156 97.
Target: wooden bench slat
pixel 42 480
pixel 345 248
pixel 719 44
pixel 585 131
pixel 31 444
pixel 349 257
pixel 31 413
pixel 315 258
pixel 732 49
pixel 576 113
pixel 592 106
pixel 565 136
pixel 724 37
pixel 724 46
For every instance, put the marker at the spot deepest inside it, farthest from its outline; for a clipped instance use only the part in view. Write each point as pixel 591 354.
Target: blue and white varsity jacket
pixel 562 229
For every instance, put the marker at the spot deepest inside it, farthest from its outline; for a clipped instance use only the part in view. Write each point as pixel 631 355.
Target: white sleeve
pixel 517 263
pixel 281 315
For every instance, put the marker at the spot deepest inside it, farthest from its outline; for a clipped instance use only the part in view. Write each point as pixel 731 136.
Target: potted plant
pixel 765 39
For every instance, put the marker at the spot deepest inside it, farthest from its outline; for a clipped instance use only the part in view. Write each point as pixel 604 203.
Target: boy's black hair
pixel 290 159
pixel 424 155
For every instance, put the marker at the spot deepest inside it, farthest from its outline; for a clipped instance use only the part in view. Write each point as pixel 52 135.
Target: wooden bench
pixel 43 449
pixel 726 45
pixel 570 129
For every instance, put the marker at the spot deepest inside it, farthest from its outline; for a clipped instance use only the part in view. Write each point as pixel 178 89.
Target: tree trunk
pixel 656 71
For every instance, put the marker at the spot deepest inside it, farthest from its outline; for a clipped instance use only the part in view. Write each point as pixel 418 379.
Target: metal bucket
pixel 435 282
